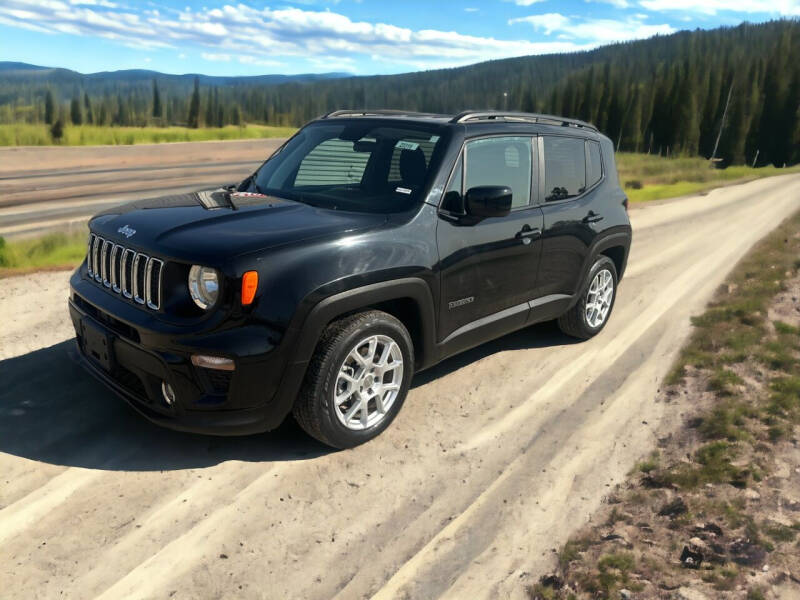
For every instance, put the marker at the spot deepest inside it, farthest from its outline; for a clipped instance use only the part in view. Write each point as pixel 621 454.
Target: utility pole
pixel 755 160
pixel 505 100
pixel 722 124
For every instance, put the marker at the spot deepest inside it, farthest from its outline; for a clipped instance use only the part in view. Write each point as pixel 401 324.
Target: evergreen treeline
pixel 665 95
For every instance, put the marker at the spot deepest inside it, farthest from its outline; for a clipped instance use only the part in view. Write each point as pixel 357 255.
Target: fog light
pixel 213 362
pixel 168 393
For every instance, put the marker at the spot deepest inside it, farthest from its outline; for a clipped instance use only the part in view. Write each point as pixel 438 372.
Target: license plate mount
pixel 97 344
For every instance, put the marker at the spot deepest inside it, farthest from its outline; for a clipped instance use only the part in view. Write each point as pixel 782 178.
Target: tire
pixel 579 323
pixel 357 382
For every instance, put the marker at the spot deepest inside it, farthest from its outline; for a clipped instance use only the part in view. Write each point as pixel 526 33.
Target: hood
pixel 203 227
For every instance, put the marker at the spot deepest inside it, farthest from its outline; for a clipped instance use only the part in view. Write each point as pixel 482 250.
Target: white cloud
pixel 216 57
pixel 615 3
pixel 787 8
pixel 594 32
pixel 266 34
pixel 262 62
pixel 104 3
pixel 470 9
pixel 527 2
pixel 548 22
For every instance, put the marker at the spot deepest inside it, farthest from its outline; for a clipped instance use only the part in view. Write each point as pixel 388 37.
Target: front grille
pixel 132 274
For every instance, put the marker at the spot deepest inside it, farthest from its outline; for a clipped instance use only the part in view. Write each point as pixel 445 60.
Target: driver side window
pixel 501 161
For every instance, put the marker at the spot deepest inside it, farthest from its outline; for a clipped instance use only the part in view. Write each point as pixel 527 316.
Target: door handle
pixel 592 217
pixel 527 233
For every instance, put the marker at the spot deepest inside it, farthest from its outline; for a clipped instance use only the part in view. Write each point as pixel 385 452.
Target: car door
pixel 570 224
pixel 488 267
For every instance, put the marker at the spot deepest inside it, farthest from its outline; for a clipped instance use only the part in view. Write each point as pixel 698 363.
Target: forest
pixel 667 95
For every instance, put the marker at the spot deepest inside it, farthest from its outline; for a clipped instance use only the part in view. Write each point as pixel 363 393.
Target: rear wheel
pixel 357 380
pixel 588 317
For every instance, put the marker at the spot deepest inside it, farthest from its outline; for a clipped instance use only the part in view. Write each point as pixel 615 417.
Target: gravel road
pixel 55 188
pixel 497 455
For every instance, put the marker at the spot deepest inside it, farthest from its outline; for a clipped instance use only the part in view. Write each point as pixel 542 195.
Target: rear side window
pixel 594 164
pixel 564 167
pixel 501 161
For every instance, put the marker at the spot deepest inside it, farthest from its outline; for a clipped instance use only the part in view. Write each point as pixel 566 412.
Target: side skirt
pixel 501 323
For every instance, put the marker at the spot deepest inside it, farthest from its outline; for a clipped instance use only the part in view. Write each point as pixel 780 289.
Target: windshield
pixel 354 166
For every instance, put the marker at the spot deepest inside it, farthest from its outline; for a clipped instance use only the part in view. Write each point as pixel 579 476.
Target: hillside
pixel 665 95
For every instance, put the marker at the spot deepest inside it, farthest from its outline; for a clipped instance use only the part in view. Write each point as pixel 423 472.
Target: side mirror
pixel 489 201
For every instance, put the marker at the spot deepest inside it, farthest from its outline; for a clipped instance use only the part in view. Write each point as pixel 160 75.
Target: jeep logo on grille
pixel 126 230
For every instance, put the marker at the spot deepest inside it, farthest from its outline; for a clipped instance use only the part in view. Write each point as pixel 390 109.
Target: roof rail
pixel 499 115
pixel 377 112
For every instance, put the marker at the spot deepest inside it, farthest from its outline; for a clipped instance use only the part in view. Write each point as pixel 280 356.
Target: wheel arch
pixel 615 246
pixel 409 300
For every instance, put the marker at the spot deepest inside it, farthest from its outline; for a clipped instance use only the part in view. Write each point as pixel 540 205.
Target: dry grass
pixel 48 252
pixel 93 135
pixel 647 177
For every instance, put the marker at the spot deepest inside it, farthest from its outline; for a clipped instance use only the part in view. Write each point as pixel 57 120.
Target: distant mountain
pixel 20 72
pixel 20 66
pixel 666 95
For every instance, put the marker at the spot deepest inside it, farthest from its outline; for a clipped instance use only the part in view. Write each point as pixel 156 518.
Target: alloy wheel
pixel 368 382
pixel 599 297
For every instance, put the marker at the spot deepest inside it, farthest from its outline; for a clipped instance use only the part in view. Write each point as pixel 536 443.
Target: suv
pixel 369 246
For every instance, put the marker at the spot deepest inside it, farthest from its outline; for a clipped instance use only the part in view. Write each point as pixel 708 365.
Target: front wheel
pixel 588 317
pixel 357 380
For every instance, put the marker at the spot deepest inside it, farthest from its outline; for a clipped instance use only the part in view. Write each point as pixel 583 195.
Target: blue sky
pixel 359 36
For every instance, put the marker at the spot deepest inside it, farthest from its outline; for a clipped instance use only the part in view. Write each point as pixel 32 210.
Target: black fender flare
pixel 307 335
pixel 618 238
pixel 332 307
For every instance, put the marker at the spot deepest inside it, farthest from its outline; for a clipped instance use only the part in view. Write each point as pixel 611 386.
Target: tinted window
pixel 425 145
pixel 564 168
pixel 501 161
pixel 333 162
pixel 353 166
pixel 594 164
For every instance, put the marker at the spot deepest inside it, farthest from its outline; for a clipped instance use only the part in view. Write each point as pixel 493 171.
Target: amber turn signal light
pixel 249 287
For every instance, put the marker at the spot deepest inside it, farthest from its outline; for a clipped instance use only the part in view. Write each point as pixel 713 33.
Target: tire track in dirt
pixel 496 456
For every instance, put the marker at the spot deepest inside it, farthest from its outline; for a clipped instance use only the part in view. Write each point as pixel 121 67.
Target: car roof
pixel 466 118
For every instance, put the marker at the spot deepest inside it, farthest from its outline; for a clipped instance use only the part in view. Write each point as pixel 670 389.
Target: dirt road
pixel 497 455
pixel 54 188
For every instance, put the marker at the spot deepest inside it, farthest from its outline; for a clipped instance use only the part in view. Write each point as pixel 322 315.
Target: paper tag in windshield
pixel 402 190
pixel 404 145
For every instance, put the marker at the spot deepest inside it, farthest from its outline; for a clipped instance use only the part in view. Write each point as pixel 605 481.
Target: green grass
pixel 647 177
pixel 93 135
pixel 56 250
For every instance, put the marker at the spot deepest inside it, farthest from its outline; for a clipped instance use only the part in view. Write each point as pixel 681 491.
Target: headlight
pixel 203 286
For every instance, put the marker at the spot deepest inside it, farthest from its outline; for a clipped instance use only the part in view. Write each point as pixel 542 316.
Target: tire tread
pixel 306 408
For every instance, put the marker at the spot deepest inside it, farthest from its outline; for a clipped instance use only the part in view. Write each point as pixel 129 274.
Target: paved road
pixel 497 455
pixel 44 189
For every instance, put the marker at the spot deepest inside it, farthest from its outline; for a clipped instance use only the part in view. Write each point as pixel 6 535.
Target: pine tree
pixel 75 112
pixel 156 101
pixel 194 106
pixel 87 105
pixel 210 112
pixel 49 108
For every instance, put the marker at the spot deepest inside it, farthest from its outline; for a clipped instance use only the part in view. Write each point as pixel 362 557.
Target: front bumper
pixel 239 402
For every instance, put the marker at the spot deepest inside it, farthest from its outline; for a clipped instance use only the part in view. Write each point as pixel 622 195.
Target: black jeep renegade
pixel 370 246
